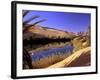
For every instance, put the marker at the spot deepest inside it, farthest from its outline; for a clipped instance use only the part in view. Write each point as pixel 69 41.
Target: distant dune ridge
pixel 79 58
pixel 42 32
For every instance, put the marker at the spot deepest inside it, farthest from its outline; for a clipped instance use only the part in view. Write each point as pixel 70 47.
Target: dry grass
pixel 81 54
pixel 75 59
pixel 47 61
pixel 80 43
pixel 48 46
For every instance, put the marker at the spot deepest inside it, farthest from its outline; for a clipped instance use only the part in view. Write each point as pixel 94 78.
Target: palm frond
pixel 32 18
pixel 39 21
pixel 25 13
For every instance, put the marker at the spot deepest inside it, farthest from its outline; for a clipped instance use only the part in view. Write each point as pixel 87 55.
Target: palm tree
pixel 89 35
pixel 25 23
pixel 27 61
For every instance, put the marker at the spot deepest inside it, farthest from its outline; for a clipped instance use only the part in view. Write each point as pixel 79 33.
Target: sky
pixel 67 21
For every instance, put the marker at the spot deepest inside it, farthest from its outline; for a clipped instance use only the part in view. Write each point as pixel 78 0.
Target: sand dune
pixel 79 58
pixel 42 32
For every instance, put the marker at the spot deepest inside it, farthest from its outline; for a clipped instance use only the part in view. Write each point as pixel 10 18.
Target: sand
pixel 79 58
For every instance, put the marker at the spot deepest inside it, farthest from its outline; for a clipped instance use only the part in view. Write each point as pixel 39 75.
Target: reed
pixel 50 60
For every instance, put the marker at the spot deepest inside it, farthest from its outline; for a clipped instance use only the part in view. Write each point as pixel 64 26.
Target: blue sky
pixel 67 21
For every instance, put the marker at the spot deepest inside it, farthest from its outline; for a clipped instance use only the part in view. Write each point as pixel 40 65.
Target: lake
pixel 44 55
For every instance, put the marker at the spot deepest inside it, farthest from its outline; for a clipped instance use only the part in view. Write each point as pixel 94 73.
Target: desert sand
pixel 79 58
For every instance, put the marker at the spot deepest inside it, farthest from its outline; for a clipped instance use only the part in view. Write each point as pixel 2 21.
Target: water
pixel 48 50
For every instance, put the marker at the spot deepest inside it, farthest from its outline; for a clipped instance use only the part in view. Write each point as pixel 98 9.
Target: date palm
pixel 25 23
pixel 27 61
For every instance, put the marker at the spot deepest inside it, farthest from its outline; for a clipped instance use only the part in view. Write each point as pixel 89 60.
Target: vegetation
pixel 78 58
pixel 77 46
pixel 46 58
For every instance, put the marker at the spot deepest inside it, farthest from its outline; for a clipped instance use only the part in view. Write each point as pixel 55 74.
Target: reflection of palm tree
pixel 27 61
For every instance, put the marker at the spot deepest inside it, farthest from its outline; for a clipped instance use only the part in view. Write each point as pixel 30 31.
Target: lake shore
pixel 78 58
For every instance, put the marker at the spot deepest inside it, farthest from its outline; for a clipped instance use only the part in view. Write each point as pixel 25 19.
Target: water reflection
pixel 44 55
pixel 39 47
pixel 67 49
